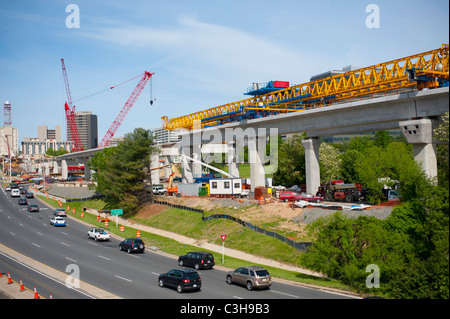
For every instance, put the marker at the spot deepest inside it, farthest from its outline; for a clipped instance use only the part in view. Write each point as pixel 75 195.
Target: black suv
pixel 181 279
pixel 197 259
pixel 132 245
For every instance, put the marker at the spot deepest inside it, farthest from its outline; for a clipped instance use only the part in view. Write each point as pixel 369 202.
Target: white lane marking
pixel 64 244
pixel 283 293
pixel 36 245
pixel 123 278
pixel 12 233
pixel 155 273
pixel 38 233
pixel 72 260
pixel 104 257
pixel 237 297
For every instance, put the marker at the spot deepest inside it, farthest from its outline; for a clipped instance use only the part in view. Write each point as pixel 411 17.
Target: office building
pixel 87 129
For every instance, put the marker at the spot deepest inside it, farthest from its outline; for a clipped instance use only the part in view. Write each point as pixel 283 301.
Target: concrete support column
pixel 419 133
pixel 312 165
pixel 167 169
pixel 64 170
pixel 256 150
pixel 233 166
pixel 154 175
pixel 186 167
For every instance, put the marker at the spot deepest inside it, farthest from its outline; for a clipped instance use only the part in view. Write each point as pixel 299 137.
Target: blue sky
pixel 203 53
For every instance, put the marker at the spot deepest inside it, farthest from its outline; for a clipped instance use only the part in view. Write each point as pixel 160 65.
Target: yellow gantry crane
pixel 424 70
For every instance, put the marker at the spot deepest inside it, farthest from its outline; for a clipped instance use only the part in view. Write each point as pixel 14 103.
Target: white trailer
pixel 225 187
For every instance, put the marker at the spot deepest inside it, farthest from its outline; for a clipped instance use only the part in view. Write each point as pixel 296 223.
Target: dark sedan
pixel 23 201
pixel 181 280
pixel 33 208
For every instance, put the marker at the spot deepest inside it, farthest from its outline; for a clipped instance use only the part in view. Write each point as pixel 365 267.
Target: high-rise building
pixel 87 129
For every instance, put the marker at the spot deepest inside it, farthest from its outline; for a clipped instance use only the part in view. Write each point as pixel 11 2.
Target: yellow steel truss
pixel 366 82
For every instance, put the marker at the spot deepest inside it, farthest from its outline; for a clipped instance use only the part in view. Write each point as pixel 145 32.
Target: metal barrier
pixel 302 246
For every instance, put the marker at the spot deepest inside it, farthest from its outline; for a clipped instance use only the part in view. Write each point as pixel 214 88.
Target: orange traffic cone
pixel 138 234
pixel 22 288
pixel 106 223
pixel 82 214
pixel 9 279
pixel 73 210
pixel 36 296
pixel 122 229
pixel 98 218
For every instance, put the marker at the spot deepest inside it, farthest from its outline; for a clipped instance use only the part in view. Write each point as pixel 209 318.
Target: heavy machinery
pixel 70 114
pixel 429 69
pixel 340 191
pixel 171 190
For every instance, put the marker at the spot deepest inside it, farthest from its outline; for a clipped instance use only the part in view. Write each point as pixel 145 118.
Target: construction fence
pixel 301 246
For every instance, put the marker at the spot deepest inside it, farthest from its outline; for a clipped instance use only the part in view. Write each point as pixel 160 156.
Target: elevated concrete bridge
pixel 416 113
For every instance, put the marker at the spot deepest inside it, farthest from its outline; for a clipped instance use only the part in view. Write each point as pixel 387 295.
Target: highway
pixel 116 274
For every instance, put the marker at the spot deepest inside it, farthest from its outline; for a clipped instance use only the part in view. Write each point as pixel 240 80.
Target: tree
pixel 329 162
pixel 441 135
pixel 122 172
pixel 291 162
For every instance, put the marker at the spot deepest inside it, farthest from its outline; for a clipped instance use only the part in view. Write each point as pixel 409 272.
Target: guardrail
pixel 302 246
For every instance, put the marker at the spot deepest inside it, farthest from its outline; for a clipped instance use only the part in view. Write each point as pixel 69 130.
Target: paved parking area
pixel 70 191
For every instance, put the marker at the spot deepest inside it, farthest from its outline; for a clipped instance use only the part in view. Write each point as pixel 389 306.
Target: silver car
pixel 252 277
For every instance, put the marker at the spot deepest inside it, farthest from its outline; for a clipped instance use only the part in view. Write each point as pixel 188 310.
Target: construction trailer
pixel 225 187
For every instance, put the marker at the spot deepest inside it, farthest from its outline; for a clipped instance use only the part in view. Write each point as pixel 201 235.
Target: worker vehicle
pixel 159 190
pixel 309 198
pixel 287 196
pixel 98 234
pixel 181 279
pixel 252 277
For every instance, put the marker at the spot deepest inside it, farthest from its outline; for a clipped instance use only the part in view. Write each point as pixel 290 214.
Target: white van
pixel 15 192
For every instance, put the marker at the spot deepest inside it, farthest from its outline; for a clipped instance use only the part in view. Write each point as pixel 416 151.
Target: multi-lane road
pixel 57 255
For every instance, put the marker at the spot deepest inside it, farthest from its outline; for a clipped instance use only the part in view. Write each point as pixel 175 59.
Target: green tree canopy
pixel 123 171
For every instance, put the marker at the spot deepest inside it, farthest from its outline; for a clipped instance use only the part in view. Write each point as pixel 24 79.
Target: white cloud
pixel 205 46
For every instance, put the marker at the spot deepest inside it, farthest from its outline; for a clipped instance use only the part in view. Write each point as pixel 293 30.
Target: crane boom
pixel 70 113
pixel 126 108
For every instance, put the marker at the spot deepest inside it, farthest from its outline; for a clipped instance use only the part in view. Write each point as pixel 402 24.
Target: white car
pixel 98 234
pixel 58 221
pixel 15 192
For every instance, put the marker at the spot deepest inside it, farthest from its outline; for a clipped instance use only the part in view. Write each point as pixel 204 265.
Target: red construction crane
pixel 123 113
pixel 70 114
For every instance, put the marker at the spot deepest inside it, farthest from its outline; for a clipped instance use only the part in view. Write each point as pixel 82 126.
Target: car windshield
pixel 262 273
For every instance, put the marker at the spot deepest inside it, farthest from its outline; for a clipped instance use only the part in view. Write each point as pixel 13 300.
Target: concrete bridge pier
pixel 312 165
pixel 419 133
pixel 256 152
